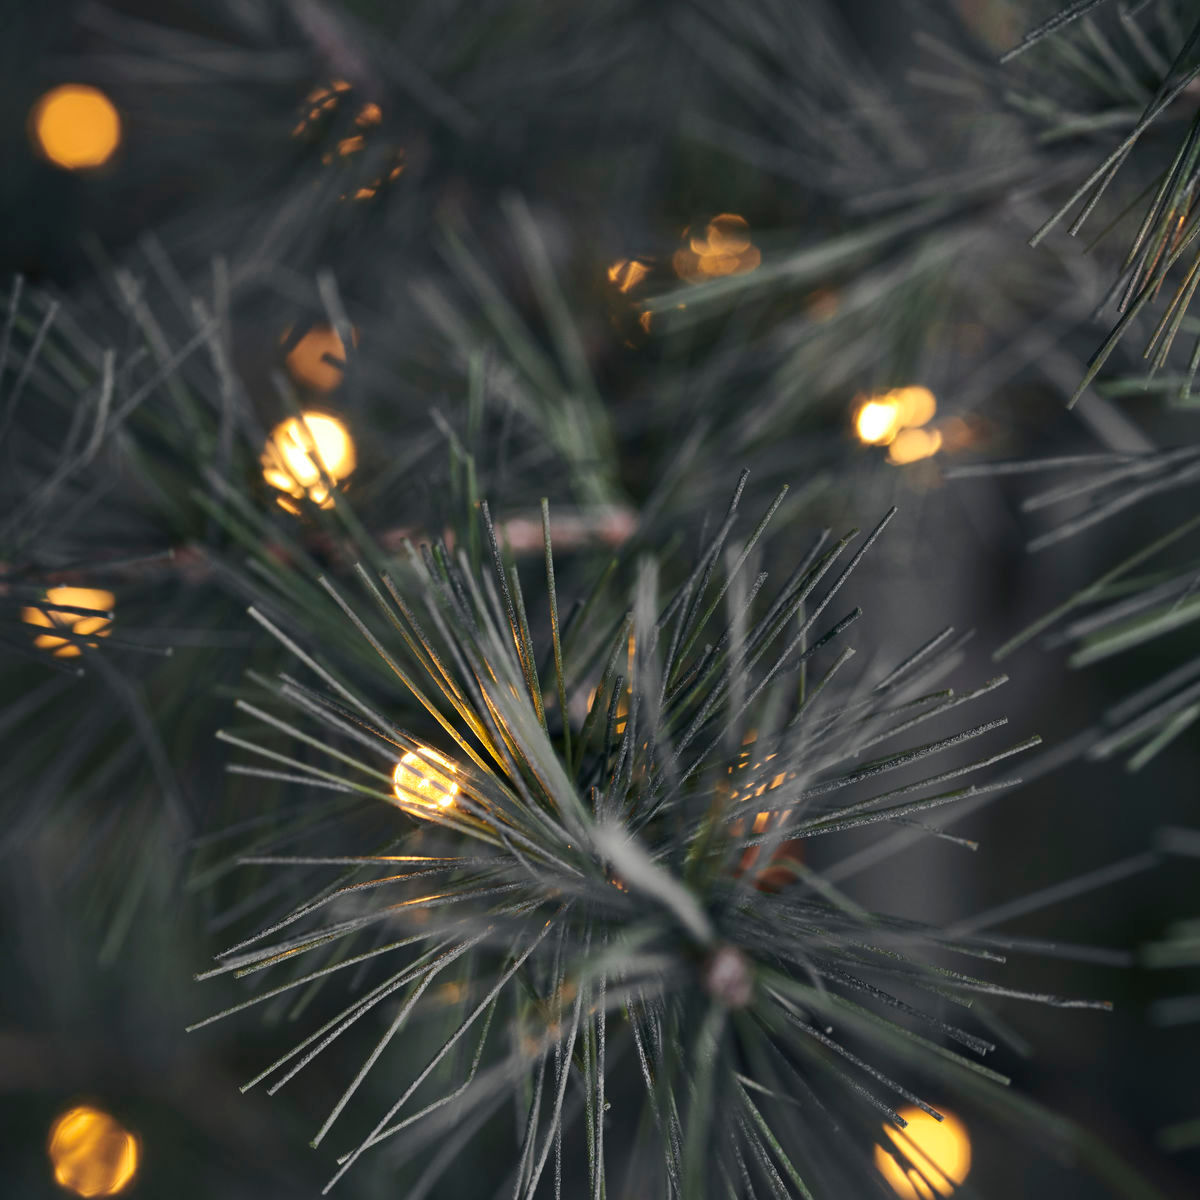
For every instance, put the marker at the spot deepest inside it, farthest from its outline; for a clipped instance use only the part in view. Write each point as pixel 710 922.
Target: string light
pixel 882 420
pixel 877 422
pixel 91 1153
pixel 626 276
pixel 76 126
pixel 423 778
pixel 779 870
pixel 917 406
pixel 929 1158
pixel 293 451
pixel 389 176
pixel 627 273
pixel 911 445
pixel 322 102
pixel 78 624
pixel 309 360
pixel 725 249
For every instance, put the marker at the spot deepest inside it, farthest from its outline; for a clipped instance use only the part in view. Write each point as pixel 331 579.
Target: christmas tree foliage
pixel 443 670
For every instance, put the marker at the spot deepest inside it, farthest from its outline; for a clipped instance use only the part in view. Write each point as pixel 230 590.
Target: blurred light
pixel 725 249
pixel 822 305
pixel 911 445
pixel 930 1157
pixel 423 778
pixel 76 126
pixel 369 114
pixel 370 189
pixel 296 447
pixel 627 273
pixel 324 101
pixel 727 234
pixel 880 419
pixel 91 1153
pixel 917 405
pixel 308 360
pixel 75 623
pixel 320 100
pixel 778 871
pixel 958 433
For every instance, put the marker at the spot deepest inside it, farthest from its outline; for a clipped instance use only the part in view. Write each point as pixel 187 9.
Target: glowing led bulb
pixel 727 234
pixel 627 273
pixel 317 360
pixel 878 421
pixel 423 778
pixel 76 126
pixel 917 405
pixel 92 1154
pixel 78 624
pixel 911 445
pixel 725 249
pixel 294 449
pixel 883 420
pixel 929 1158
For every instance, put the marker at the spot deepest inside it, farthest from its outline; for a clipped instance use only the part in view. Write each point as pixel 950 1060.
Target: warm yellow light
pixel 320 101
pixel 929 1158
pixel 308 360
pixel 878 421
pixel 76 126
pixel 294 449
pixel 727 234
pixel 78 624
pixel 371 188
pixel 725 249
pixel 423 778
pixel 627 273
pixel 911 445
pixel 92 1154
pixel 451 993
pixel 369 114
pixel 917 405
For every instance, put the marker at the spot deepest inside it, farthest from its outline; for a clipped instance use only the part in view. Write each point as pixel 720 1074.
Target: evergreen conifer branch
pixel 640 898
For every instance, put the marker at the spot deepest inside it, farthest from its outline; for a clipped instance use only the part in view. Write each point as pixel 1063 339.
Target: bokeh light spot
pixel 318 358
pixel 91 1153
pixel 76 126
pixel 929 1158
pixel 912 445
pixel 77 624
pixel 878 421
pixel 296 447
pixel 725 249
pixel 424 778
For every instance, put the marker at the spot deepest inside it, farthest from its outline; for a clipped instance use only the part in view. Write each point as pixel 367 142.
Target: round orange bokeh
pixel 928 1159
pixel 76 126
pixel 76 624
pixel 299 448
pixel 91 1153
